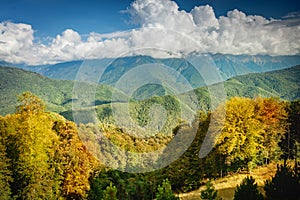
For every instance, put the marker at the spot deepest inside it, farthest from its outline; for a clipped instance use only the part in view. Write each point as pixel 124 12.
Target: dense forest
pixel 45 156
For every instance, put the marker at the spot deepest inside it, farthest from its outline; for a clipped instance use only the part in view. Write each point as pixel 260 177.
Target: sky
pixel 50 31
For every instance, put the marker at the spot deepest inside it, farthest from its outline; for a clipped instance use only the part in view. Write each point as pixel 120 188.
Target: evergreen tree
pixel 209 193
pixel 110 193
pixel 284 185
pixel 164 191
pixel 247 190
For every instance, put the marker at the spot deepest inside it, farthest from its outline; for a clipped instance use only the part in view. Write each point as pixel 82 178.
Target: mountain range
pixel 111 70
pixel 58 94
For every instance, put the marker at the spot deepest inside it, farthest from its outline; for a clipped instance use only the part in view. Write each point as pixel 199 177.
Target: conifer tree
pixel 164 191
pixel 247 190
pixel 209 193
pixel 284 185
pixel 110 193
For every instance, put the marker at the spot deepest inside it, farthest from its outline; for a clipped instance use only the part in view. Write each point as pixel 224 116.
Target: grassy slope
pixel 226 185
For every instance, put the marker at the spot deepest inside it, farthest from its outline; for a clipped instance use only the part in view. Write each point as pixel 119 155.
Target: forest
pixel 45 156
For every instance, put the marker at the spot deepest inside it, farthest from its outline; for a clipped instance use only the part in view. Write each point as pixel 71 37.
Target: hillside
pixel 282 83
pixel 56 93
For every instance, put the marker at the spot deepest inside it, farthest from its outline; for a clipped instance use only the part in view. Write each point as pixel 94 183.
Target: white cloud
pixel 163 26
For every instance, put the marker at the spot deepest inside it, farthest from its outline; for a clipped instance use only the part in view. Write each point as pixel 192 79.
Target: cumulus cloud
pixel 163 26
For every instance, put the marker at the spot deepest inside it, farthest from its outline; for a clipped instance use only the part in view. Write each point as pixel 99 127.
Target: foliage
pixel 110 193
pixel 164 191
pixel 209 193
pixel 5 173
pixel 252 131
pixel 30 148
pixel 49 161
pixel 291 142
pixel 45 157
pixel 285 184
pixel 247 190
pixel 75 164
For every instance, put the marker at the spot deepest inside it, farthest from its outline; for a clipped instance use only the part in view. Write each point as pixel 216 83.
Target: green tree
pixel 110 193
pixel 291 142
pixel 284 185
pixel 209 193
pixel 164 191
pixel 247 190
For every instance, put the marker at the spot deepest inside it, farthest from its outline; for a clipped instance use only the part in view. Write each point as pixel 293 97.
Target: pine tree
pixel 164 191
pixel 247 190
pixel 110 193
pixel 284 185
pixel 209 193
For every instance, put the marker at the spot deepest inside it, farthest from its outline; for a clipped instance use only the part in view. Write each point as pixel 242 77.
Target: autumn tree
pixel 241 133
pixel 30 148
pixel 5 173
pixel 252 131
pixel 74 162
pixel 272 114
pixel 45 156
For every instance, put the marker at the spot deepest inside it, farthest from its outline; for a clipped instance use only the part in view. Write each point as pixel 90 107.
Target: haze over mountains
pixel 228 65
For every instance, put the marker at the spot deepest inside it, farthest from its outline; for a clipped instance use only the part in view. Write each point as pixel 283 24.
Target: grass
pixel 226 185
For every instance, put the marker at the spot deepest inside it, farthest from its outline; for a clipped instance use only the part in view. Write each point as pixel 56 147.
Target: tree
pixel 110 193
pixel 252 132
pixel 5 173
pixel 209 193
pixel 273 116
pixel 164 191
pixel 240 139
pixel 30 148
pixel 284 185
pixel 291 142
pixel 247 190
pixel 74 163
pixel 30 104
pixel 45 156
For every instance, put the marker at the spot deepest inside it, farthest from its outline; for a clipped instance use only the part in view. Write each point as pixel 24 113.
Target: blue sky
pixel 50 31
pixel 51 17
